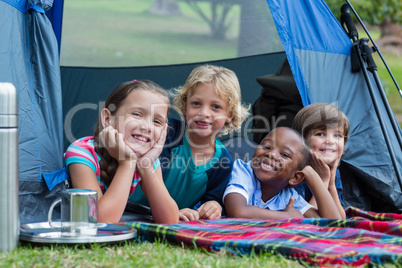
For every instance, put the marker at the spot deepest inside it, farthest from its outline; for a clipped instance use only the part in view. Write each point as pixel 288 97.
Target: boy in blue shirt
pixel 263 187
pixel 196 166
pixel 325 129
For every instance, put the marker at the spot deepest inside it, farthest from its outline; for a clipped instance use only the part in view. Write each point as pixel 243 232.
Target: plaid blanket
pixel 364 237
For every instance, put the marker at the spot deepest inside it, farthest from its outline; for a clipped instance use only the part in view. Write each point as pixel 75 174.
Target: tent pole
pixel 376 49
pixel 361 50
pixel 371 66
pixel 380 120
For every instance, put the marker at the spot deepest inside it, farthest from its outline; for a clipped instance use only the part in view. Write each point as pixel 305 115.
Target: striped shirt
pixel 83 151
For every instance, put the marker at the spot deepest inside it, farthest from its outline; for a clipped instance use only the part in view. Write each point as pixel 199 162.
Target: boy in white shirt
pixel 263 187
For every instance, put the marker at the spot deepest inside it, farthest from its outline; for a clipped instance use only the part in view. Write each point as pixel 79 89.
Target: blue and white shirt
pixel 243 181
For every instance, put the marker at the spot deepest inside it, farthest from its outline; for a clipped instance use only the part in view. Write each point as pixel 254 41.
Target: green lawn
pixel 190 39
pixel 394 63
pixel 134 254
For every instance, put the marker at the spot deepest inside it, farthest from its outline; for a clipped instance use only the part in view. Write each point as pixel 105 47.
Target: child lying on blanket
pixel 263 187
pixel 196 166
pixel 325 129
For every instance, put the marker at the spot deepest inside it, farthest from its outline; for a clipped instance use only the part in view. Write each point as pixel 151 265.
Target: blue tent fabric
pixel 318 50
pixel 29 59
pixel 313 28
pixel 55 15
pixel 53 178
pixel 38 5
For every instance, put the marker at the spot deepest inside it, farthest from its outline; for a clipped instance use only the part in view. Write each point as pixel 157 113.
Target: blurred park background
pixel 116 33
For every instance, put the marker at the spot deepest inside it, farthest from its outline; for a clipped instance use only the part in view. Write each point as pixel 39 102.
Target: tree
pixel 165 7
pixel 217 21
pixel 387 14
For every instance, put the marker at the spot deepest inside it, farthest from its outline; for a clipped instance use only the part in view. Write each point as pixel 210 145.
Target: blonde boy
pixel 196 165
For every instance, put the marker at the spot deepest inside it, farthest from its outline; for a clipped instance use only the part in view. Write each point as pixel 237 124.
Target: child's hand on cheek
pixel 150 157
pixel 333 169
pixel 320 167
pixel 115 145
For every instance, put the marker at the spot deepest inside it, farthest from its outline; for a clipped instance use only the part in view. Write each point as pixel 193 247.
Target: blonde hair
pixel 320 116
pixel 226 86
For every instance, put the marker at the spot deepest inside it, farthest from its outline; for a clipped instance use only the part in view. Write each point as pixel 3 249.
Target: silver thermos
pixel 9 184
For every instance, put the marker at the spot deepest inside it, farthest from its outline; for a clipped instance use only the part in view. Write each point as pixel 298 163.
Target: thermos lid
pixel 8 105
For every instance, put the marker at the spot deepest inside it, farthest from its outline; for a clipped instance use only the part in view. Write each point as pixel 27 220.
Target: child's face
pixel 328 143
pixel 277 157
pixel 141 118
pixel 206 112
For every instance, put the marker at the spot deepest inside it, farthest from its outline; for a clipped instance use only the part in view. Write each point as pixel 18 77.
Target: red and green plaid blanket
pixel 364 237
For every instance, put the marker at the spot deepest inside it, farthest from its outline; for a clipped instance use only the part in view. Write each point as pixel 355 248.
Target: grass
pixel 116 44
pixel 133 254
pixel 395 65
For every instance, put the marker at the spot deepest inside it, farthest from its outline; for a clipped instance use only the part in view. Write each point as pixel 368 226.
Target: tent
pixel 57 103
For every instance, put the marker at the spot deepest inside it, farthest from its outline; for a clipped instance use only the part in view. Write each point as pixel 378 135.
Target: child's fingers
pixel 210 210
pixel 211 213
pixel 291 202
pixel 183 217
pixel 102 136
pixel 321 162
pixel 336 163
pixel 188 215
pixel 120 141
pixel 203 211
pixel 313 158
pixel 317 162
pixel 108 137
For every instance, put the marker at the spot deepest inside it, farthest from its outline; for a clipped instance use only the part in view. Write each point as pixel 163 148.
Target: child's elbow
pixel 168 216
pixel 170 219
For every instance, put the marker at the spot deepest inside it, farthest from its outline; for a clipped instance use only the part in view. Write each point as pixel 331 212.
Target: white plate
pixel 41 232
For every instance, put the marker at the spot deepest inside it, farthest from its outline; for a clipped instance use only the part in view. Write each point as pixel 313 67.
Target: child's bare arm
pixel 322 168
pixel 327 175
pixel 164 209
pixel 326 207
pixel 333 191
pixel 236 207
pixel 111 204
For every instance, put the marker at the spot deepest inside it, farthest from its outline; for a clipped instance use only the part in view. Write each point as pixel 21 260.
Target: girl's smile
pixel 141 119
pixel 140 138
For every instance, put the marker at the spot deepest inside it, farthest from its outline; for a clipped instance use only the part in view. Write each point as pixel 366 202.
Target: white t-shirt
pixel 243 181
